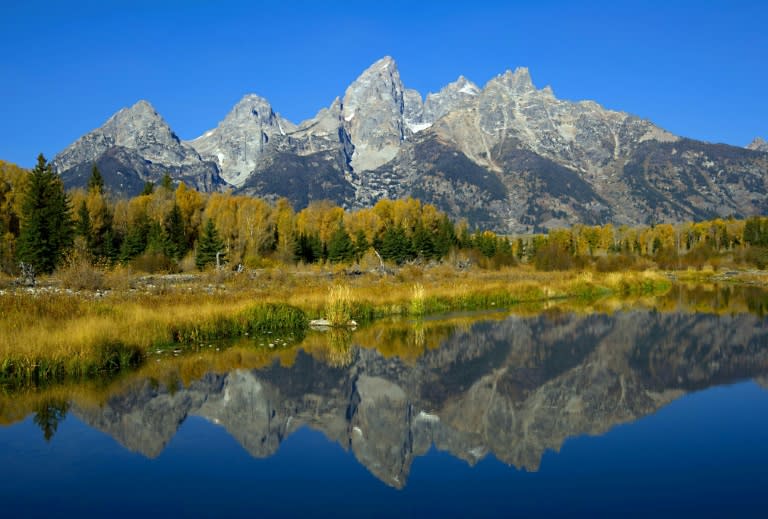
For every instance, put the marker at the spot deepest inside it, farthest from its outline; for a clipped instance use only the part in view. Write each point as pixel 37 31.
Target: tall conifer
pixel 46 227
pixel 209 245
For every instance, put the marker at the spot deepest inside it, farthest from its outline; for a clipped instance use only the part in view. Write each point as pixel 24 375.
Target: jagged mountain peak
pixel 454 96
pixel 140 106
pixel 141 110
pixel 518 81
pixel 239 141
pixel 758 144
pixel 461 85
pixel 252 112
pixel 383 63
pixel 373 110
pixel 464 85
pixel 382 80
pixel 250 105
pixel 138 127
pixel 133 146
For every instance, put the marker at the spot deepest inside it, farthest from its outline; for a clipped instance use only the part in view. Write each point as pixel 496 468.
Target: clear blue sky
pixel 696 68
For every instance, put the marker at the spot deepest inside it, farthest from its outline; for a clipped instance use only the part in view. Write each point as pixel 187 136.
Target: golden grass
pixel 68 323
pixel 338 308
pixel 71 329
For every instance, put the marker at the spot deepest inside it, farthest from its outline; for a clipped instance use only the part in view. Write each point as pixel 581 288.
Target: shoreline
pixel 52 333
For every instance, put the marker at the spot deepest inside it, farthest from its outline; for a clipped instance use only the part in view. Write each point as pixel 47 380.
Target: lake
pixel 636 410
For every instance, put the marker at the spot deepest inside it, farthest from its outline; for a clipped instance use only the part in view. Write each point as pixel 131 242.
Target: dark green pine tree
pixel 423 244
pixel 395 245
pixel 208 246
pixel 109 247
pixel 156 239
pixel 96 182
pixel 135 242
pixel 83 226
pixel 309 248
pixel 46 227
pixel 148 189
pixel 756 231
pixel 101 244
pixel 485 243
pixel 444 238
pixel 340 246
pixel 361 244
pixel 175 239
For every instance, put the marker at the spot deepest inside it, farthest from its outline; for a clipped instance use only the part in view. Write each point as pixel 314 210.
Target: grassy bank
pixel 50 334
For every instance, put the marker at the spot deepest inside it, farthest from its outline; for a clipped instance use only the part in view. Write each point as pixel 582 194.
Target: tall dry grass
pixel 50 333
pixel 338 309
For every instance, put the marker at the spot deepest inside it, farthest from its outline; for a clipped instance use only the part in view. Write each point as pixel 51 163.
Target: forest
pixel 172 228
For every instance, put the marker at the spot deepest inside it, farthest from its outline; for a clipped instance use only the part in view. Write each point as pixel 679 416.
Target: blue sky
pixel 698 69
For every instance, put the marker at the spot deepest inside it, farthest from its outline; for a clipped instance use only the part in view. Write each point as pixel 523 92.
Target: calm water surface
pixel 630 413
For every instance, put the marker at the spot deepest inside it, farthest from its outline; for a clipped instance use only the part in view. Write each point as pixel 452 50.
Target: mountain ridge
pixel 555 162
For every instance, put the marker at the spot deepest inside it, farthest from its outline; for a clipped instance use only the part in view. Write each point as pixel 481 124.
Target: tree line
pixel 167 227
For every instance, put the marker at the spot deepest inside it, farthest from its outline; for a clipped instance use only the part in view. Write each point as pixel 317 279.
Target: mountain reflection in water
pixel 513 388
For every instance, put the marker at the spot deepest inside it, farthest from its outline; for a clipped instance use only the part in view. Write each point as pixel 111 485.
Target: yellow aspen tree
pixel 285 224
pixel 607 237
pixel 191 204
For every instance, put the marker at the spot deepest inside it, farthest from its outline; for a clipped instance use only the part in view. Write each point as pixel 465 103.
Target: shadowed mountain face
pixel 512 389
pixel 507 156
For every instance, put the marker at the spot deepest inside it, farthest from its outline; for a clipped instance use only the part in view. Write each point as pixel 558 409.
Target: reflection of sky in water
pixel 704 454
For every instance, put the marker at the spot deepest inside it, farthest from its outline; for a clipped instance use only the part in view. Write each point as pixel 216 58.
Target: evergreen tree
pixel 167 183
pixel 156 239
pixel 109 248
pixel 46 228
pixel 83 226
pixel 96 182
pixel 444 238
pixel 463 239
pixel 148 189
pixel 135 242
pixel 423 245
pixel 395 245
pixel 361 244
pixel 309 248
pixel 485 242
pixel 756 231
pixel 175 240
pixel 340 246
pixel 208 246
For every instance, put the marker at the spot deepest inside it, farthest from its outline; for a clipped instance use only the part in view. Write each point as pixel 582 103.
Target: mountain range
pixel 506 156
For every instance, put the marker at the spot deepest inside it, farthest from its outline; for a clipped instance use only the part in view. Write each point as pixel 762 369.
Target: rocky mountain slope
pixel 506 156
pixel 134 146
pixel 512 389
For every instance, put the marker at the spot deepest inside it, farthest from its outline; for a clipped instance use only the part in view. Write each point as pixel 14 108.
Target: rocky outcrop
pixel 514 389
pixel 758 144
pixel 458 95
